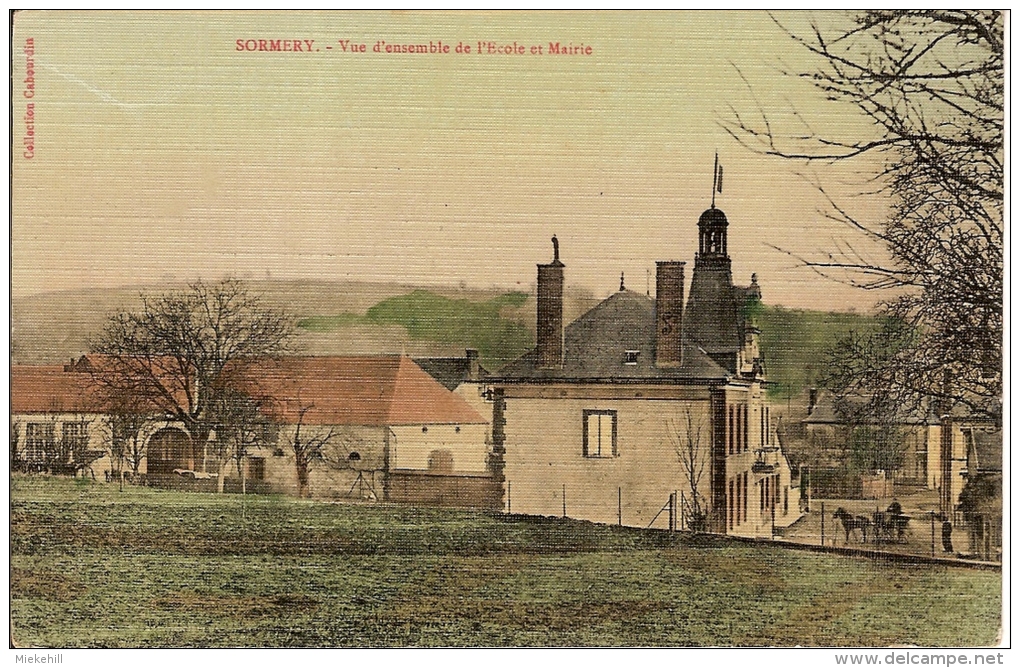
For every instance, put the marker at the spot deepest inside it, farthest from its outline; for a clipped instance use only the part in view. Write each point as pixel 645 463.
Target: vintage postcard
pixel 508 329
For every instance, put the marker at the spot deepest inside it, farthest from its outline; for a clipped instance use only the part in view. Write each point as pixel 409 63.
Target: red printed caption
pixel 28 92
pixel 438 47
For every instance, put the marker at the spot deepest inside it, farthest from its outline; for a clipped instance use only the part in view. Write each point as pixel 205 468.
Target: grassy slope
pixel 794 343
pixel 370 318
pixel 94 567
pixel 428 316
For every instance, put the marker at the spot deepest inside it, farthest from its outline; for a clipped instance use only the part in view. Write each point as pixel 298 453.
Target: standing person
pixel 947 535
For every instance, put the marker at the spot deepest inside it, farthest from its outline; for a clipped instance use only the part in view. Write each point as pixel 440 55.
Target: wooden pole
pixel 244 486
pixel 508 512
pixel 672 518
pixel 619 506
pixel 676 510
pixel 823 523
pixel 564 500
pixel 933 533
pixel 773 534
pixel 683 511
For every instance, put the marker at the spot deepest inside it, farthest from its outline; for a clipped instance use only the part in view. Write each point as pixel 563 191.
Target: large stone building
pixel 389 431
pixel 644 400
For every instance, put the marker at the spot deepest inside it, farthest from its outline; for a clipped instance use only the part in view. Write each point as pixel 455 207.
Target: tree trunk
pixel 302 478
pixel 223 465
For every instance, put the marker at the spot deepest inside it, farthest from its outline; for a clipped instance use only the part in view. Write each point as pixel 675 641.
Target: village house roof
pixel 450 372
pixel 824 412
pixel 597 344
pixel 359 391
pixel 985 451
pixel 47 389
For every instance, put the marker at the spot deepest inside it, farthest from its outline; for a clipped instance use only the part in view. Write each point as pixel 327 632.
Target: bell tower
pixel 712 315
pixel 712 234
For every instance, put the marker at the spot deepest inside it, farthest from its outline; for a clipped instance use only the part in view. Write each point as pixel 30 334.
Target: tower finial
pixel 621 282
pixel 556 249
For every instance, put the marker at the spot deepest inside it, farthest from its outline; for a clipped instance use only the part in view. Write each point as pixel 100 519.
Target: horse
pixel 851 523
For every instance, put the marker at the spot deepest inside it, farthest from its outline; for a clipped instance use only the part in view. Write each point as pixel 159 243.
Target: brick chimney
pixel 669 313
pixel 550 312
pixel 474 369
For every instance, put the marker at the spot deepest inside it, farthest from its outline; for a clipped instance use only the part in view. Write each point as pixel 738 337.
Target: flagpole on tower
pixel 715 174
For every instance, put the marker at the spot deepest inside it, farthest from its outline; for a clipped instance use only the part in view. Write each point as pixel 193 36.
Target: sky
pixel 163 149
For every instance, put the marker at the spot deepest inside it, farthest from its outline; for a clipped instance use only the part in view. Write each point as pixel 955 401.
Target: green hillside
pixel 793 340
pixel 794 343
pixel 431 317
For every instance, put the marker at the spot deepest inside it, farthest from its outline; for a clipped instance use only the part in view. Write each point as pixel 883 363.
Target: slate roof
pixel 824 412
pixel 987 449
pixel 595 346
pixel 450 372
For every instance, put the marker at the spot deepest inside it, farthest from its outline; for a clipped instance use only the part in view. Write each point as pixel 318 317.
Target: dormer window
pixel 630 357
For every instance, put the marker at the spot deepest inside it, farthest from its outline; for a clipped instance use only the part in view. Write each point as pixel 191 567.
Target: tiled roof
pixel 363 391
pixel 595 345
pixel 47 389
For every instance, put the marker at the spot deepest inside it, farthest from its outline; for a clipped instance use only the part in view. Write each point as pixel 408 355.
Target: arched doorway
pixel 169 449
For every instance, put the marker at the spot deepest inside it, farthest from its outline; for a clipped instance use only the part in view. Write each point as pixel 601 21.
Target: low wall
pixel 478 492
pixel 182 483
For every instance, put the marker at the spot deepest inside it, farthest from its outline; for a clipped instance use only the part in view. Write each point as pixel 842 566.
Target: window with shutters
pixel 599 434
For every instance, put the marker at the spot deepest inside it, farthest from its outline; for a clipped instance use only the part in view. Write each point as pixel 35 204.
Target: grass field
pixel 94 567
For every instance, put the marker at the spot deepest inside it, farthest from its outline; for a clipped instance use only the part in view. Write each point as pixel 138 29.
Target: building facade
pixel 646 411
pixel 382 428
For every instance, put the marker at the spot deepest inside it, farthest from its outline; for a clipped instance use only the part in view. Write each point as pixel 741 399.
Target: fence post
pixel 508 511
pixel 933 533
pixel 683 511
pixel 772 535
pixel 676 510
pixel 823 523
pixel 564 500
pixel 619 506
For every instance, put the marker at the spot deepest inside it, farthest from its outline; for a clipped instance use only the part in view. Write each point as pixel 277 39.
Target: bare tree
pixel 242 422
pixel 74 444
pixel 689 438
pixel 125 444
pixel 309 446
pixel 930 86
pixel 872 437
pixel 182 351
